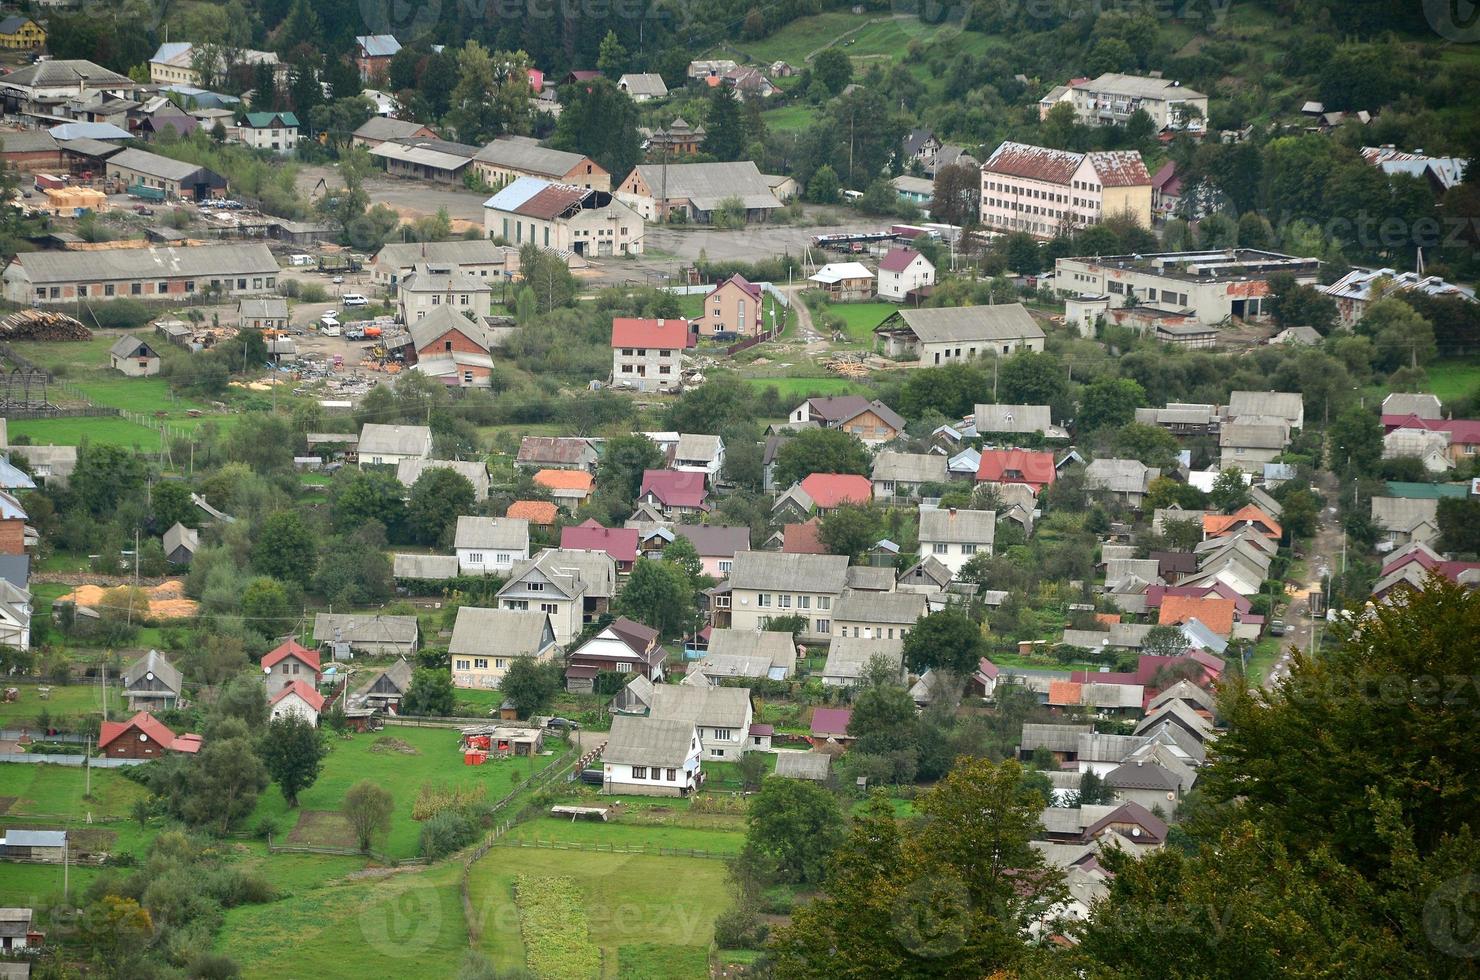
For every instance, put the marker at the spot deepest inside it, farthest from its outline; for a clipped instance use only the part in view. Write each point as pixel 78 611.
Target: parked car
pixel 1277 628
pixel 337 280
pixel 563 723
pixel 354 299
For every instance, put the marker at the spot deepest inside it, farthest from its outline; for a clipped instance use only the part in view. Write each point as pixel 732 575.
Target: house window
pixel 724 734
pixel 475 558
pixel 501 663
pixel 657 773
pixel 536 586
pixel 672 775
pixel 549 607
pixel 824 602
pixel 939 548
pixel 463 664
pixel 624 666
pixel 804 602
pixel 725 566
pixel 783 601
pixel 718 753
pixel 639 772
pixel 968 549
pixel 763 600
pixel 481 663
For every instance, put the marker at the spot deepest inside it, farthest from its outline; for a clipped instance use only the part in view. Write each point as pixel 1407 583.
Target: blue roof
pixel 89 131
pixel 10 508
pixel 35 838
pixel 172 49
pixel 378 45
pixel 14 478
pixel 516 193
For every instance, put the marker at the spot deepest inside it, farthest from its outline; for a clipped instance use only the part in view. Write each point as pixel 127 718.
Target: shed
pixel 133 357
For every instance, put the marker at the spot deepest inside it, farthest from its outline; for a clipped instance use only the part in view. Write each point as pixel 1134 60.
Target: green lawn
pixel 1454 378
pixel 70 432
pixel 54 794
pixel 35 885
pixel 619 834
pixel 792 118
pixel 861 319
pixel 795 389
pixel 408 924
pixel 437 761
pixel 642 911
pixel 71 701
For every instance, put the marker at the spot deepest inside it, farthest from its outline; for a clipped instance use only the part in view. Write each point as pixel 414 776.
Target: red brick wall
pixel 461 343
pixel 12 537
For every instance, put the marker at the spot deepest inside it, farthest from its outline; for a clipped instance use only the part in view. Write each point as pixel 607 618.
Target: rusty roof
pixel 552 201
pixel 1115 168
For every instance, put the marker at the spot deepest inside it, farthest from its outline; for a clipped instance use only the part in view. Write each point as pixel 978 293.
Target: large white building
pixel 648 354
pixel 1212 286
pixel 940 335
pixel 564 217
pixel 1045 192
pixel 431 285
pixel 1113 98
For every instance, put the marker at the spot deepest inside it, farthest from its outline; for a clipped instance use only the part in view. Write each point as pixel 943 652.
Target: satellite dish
pixel 148 675
pixel 143 737
pixel 267 670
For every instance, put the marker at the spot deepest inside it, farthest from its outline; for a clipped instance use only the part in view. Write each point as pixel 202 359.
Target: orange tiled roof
pixel 533 511
pixel 1217 525
pixel 564 479
pixel 1214 613
pixel 1065 693
pixel 1109 619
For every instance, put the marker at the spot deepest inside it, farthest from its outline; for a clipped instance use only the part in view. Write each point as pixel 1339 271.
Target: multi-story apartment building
pixel 1112 99
pixel 1045 192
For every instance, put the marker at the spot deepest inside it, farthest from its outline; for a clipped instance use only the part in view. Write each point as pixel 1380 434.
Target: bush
pixel 740 928
pixel 446 832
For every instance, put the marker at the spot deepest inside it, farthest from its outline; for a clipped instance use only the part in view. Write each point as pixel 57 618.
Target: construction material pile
pixel 166 600
pixel 42 325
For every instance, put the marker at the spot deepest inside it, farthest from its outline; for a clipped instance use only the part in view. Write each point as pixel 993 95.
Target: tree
pixel 820 451
pixel 612 57
pixel 1402 336
pixel 1151 444
pixel 357 497
pixel 1459 525
pixel 1293 304
pixel 491 96
pixel 622 464
pixel 1109 403
pixel 822 188
pixel 1164 641
pixel 600 120
pixel 833 68
pixel 367 809
pixel 795 824
pixel 884 719
pixel 850 529
pixel 681 553
pixel 547 275
pixel 106 476
pixel 724 129
pixel 1230 491
pixel 293 750
pixel 1165 491
pixel 957 194
pixel 267 607
pixel 1030 378
pixel 439 496
pixel 948 640
pixel 712 406
pixel 660 595
pixel 1356 440
pixel 430 693
pixel 224 781
pixel 171 503
pixel 531 685
pixel 285 547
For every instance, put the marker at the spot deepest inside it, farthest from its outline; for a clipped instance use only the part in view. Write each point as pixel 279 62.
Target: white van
pixel 354 299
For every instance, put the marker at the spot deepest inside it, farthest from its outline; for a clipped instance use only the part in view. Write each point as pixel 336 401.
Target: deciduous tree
pixel 367 809
pixel 293 750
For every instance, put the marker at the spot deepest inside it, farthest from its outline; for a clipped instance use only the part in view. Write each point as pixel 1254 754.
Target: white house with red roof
pixel 1044 191
pixel 674 492
pixel 298 700
pixel 1003 467
pixel 648 354
pixel 289 662
pixel 143 737
pixel 903 271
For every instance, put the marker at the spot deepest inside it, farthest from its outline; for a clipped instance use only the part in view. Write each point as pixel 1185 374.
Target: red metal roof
pixel 674 488
pixel 144 722
pixel 828 490
pixel 801 539
pixel 619 542
pixel 739 280
pixel 310 697
pixel 1461 431
pixel 831 721
pixel 292 648
pixel 1120 168
pixel 1035 469
pixel 552 201
pixel 898 259
pixel 665 334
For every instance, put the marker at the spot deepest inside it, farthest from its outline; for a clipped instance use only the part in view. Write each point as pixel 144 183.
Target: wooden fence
pixel 380 856
pixel 596 847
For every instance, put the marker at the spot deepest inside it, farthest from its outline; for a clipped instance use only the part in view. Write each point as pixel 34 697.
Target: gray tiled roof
pixel 910 467
pixel 803 765
pixel 493 533
pixel 1006 321
pixel 529 158
pixel 427 567
pixel 397 440
pixel 772 571
pixel 154 663
pixel 709 707
pixel 144 162
pixel 899 608
pixel 958 526
pixel 708 184
pixel 364 628
pixel 386 128
pixel 847 656
pixel 508 632
pixel 648 741
pixel 146 263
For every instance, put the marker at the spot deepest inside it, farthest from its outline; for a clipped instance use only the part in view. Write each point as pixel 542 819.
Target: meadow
pixel 434 759
pixel 70 701
pixel 1452 379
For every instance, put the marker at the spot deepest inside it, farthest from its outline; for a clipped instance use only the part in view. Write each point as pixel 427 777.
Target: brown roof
pixel 1115 168
pixel 1120 168
pixel 552 202
pixel 801 539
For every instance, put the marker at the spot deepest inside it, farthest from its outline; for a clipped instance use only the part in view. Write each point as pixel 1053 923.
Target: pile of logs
pixel 42 325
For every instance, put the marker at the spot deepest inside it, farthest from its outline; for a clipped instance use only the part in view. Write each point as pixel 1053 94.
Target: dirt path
pixel 811 339
pixel 1322 558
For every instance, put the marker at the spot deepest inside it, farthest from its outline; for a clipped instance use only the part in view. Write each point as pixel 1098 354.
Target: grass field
pixel 790 118
pixel 436 761
pixel 861 319
pixel 620 835
pixel 1454 379
pixel 34 886
pixel 652 915
pixel 406 924
pixel 55 793
pixel 64 702
pixel 71 432
pixel 795 389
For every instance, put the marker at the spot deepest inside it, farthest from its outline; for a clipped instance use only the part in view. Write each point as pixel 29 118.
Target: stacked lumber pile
pixel 42 325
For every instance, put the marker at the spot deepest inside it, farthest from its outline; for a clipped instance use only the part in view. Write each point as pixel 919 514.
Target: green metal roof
pixel 1427 491
pixel 264 120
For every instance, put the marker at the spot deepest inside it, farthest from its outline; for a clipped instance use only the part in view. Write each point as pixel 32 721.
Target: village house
pixel 849 658
pixel 143 737
pixel 732 309
pixel 569 488
pixel 385 688
pixel 288 662
pixel 1287 406
pixel 953 537
pixel 765 585
pixel 944 335
pixel 48 278
pixel 152 683
pixel 1045 192
pixel 870 420
pixel 1441 173
pixel 1461 437
pixel 1404 520
pixel 744 655
pixel 423 568
pixel 422 158
pixel 1112 98
pixel 1125 480
pixel 431 285
pixel 297 700
pixel 1400 404
pixel 490 545
pixel 373 54
pixel 829 727
pixel 1430 448
pixel 133 357
pixel 380 129
pixel 180 63
pixel 620 543
pixel 475 471
pixel 673 492
pixel 623 647
pixel 485 641
pixel 275 131
pixel 722 715
pixel 477 257
pixel 1009 467
pixel 1360 288
pixel 652 757
pixel 572 587
pixel 1182 418
pixel 921 146
pixel 903 271
pixel 268 313
pixel 564 217
pixel 1250 442
pixel 693 192
pixel 877 615
pixel 901 475
pixel 387 445
pixel 372 634
pixel 21 33
pixel 829 491
pixel 643 86
pixel 505 160
pixel 844 281
pixel 1013 420
pixel 35 846
pixel 715 544
pixel 1208 287
pixel 648 354
pixel 699 453
pixel 557 453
